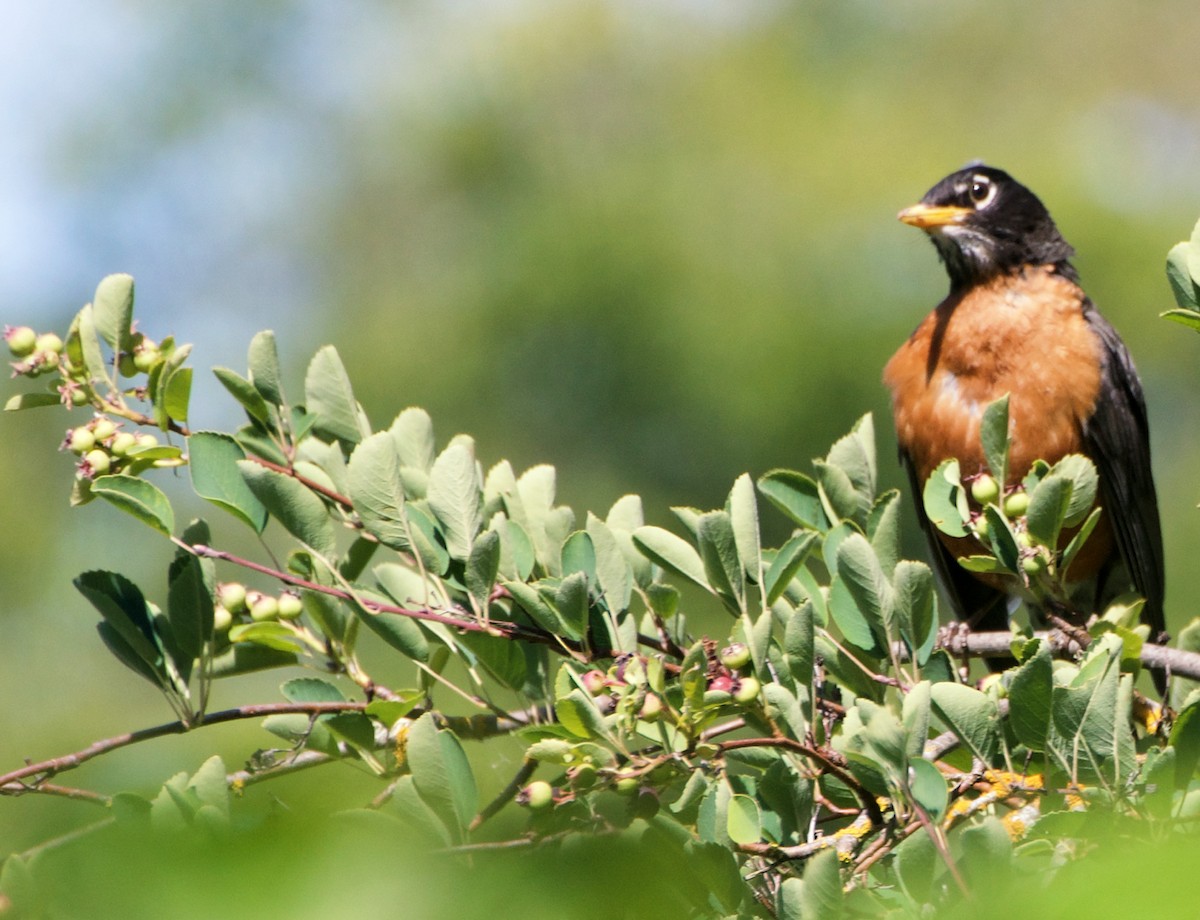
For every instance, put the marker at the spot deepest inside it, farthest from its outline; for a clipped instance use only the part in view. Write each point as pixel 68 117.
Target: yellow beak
pixel 930 217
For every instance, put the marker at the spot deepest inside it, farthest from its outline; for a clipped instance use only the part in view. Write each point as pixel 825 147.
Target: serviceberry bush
pixel 828 749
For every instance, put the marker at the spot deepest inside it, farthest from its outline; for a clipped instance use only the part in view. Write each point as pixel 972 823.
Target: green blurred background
pixel 652 243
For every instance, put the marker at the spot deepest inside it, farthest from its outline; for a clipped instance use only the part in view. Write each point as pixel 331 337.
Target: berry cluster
pixel 236 602
pixel 36 354
pixel 1014 504
pixel 102 447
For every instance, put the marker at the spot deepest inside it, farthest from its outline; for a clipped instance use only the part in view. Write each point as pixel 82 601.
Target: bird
pixel 1017 322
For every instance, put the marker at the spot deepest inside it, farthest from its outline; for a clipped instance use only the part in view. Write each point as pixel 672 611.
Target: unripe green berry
pixel 146 440
pixel 126 366
pixel 746 690
pixel 538 795
pixel 985 489
pixel 79 397
pixel 982 528
pixel 145 356
pixel 81 440
pixel 1016 504
pixel 583 776
pixel 103 428
pixel 222 619
pixel 21 340
pixel 97 462
pixel 627 785
pixel 48 342
pixel 652 707
pixel 122 443
pixel 264 607
pixel 232 596
pixel 49 360
pixel 735 656
pixel 1033 565
pixel 290 605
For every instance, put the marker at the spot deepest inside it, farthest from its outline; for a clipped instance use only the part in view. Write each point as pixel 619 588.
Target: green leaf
pixel 538 608
pixel 246 659
pixel 299 510
pixel 213 463
pixel 797 496
pixel 389 712
pixel 1081 473
pixel 1183 282
pixel 243 391
pixel 855 454
pixel 1078 541
pixel 329 397
pixel 503 657
pixel 916 607
pixel 89 344
pixel 613 570
pixel 407 589
pixel 1185 739
pixel 32 401
pixel 126 653
pixel 993 433
pixel 986 852
pixel 719 553
pixel 441 773
pixel 672 553
pixel 798 644
pixel 170 385
pixel 412 431
pixel 121 603
pixel 482 568
pixel 883 529
pixel 839 498
pixel 571 600
pixel 1030 696
pixel 821 895
pixel 176 394
pixel 915 716
pixel 970 714
pixel 944 500
pixel 455 498
pixel 137 497
pixel 263 361
pixel 743 514
pixel 311 690
pixel 578 555
pixel 1189 317
pixel 916 863
pixel 1047 509
pixel 1001 538
pixel 578 713
pixel 742 820
pixel 268 634
pixel 848 617
pixel 786 563
pixel 859 570
pixel 374 485
pixel 113 303
pixel 189 608
pixel 928 787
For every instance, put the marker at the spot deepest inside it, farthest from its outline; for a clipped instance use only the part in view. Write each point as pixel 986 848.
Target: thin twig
pixel 506 794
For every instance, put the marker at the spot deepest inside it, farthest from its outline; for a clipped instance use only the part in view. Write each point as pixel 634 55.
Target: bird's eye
pixel 981 190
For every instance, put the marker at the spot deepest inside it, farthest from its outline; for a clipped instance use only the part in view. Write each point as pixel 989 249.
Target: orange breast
pixel 1024 335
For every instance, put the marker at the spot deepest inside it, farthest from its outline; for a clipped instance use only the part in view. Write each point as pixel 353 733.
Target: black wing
pixel 984 608
pixel 1117 438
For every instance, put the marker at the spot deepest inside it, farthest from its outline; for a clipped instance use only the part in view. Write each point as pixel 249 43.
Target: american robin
pixel 1017 322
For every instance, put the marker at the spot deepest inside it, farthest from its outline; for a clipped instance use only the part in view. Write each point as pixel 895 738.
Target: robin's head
pixel 984 223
